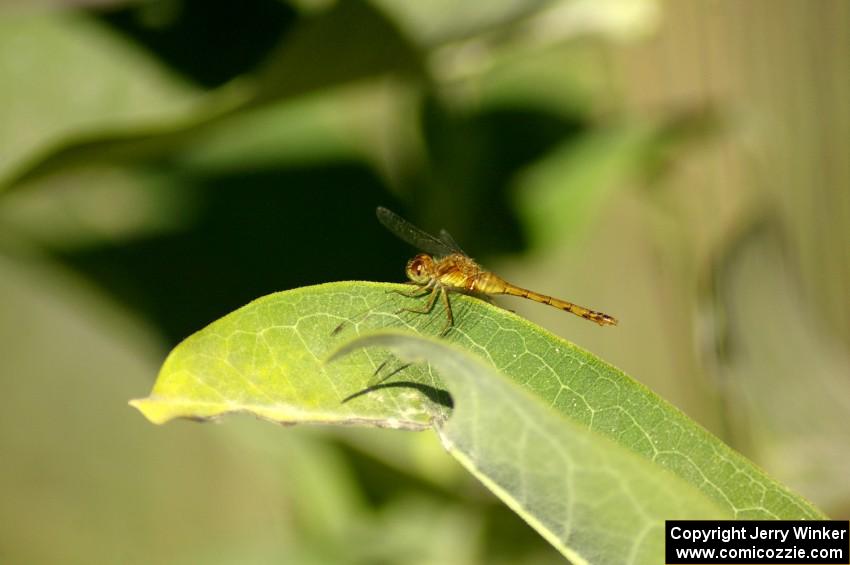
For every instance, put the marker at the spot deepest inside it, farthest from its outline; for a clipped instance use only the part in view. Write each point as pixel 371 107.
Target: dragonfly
pixel 444 268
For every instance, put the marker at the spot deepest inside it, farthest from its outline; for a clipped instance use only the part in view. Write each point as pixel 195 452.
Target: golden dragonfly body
pixel 446 268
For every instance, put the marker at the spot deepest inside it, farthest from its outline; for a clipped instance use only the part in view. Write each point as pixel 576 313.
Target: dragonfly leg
pixel 435 291
pixel 416 292
pixel 450 321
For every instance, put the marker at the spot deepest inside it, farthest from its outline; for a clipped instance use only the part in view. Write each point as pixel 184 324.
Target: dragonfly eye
pixel 417 268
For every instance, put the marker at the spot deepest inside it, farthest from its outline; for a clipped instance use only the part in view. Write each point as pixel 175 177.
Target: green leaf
pixel 348 42
pixel 596 501
pixel 125 145
pixel 576 178
pixel 269 359
pixel 64 77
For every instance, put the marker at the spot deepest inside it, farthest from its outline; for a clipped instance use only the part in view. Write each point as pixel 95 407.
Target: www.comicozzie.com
pixel 757 541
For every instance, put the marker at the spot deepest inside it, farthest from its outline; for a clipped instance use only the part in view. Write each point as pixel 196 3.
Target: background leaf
pixel 366 45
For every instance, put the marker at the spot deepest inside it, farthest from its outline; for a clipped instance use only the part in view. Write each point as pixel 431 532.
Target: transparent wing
pixel 450 242
pixel 413 235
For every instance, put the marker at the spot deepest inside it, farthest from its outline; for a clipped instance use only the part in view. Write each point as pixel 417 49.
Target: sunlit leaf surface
pixel 270 359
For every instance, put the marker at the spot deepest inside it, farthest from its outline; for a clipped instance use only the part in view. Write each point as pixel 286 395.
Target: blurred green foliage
pixel 164 162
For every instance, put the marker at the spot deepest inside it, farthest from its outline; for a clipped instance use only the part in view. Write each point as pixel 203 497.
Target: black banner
pixel 757 541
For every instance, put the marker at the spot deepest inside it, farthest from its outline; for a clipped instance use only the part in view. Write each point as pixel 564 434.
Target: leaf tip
pixel 151 409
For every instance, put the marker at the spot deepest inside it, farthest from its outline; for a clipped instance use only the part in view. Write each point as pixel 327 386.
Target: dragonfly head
pixel 420 269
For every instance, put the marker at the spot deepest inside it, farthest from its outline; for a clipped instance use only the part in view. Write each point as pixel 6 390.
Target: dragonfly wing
pixel 413 235
pixel 450 242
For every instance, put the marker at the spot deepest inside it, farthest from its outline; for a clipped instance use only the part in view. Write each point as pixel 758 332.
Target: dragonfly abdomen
pixel 586 313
